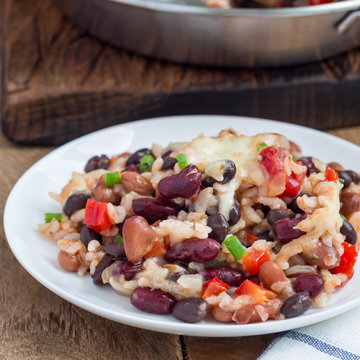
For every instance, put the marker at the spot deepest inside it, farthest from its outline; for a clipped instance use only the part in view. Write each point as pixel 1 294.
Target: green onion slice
pixel 261 145
pixel 146 163
pixel 341 180
pixel 119 239
pixel 235 247
pixel 343 217
pixel 182 160
pixel 50 216
pixel 112 178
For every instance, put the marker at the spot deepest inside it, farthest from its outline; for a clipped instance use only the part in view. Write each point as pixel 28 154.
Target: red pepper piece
pixel 254 259
pixel 319 2
pixel 293 184
pixel 331 174
pixel 347 261
pixel 257 292
pixel 250 238
pixel 96 216
pixel 214 287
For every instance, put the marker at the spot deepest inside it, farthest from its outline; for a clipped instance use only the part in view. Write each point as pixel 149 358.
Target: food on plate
pixel 226 4
pixel 239 228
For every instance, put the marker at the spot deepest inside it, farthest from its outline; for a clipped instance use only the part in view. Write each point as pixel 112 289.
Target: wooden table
pixel 37 324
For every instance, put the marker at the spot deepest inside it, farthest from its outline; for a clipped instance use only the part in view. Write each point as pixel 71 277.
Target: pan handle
pixel 344 24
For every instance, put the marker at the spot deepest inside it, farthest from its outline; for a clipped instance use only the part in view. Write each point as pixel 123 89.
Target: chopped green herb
pixel 293 157
pixel 343 217
pixel 182 160
pixel 119 239
pixel 235 247
pixel 50 216
pixel 261 145
pixel 112 178
pixel 146 163
pixel 341 180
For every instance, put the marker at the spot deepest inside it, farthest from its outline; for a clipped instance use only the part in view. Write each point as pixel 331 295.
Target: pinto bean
pixel 324 257
pixel 105 193
pixel 138 236
pixel 336 166
pixel 68 262
pixel 133 181
pixel 221 315
pixel 270 273
pixel 350 203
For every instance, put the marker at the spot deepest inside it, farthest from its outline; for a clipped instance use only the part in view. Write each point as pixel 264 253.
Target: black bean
pixel 354 176
pixel 128 269
pixel 191 310
pixel 307 161
pixel 219 225
pixel 235 213
pixel 208 181
pixel 229 171
pixel 87 234
pixel 136 156
pixel 104 263
pixel 74 203
pixel 294 205
pixel 115 249
pixel 168 163
pixel 175 276
pixel 133 168
pixel 296 305
pixel 267 235
pixel 349 232
pixel 346 177
pixel 265 209
pixel 153 301
pixel 274 216
pixel 97 162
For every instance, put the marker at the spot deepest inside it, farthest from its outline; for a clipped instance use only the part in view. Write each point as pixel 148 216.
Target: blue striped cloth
pixel 337 338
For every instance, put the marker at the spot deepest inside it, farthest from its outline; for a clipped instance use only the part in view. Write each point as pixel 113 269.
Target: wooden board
pixel 60 83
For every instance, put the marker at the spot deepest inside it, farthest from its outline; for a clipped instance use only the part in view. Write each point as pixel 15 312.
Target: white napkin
pixel 337 338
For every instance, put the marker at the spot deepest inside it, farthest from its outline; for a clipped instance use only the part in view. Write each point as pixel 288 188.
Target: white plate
pixel 29 200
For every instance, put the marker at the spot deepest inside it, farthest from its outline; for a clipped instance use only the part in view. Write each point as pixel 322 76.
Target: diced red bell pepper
pixel 254 259
pixel 96 216
pixel 214 287
pixel 271 160
pixel 293 184
pixel 250 238
pixel 331 174
pixel 347 261
pixel 257 292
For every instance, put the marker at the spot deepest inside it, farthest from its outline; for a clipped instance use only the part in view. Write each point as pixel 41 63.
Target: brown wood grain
pixel 37 324
pixel 60 83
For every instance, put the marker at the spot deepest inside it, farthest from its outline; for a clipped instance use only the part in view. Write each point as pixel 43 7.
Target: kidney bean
pixel 138 236
pixel 324 257
pixel 185 184
pixel 136 156
pixel 134 168
pixel 154 209
pixel 346 177
pixel 219 225
pixel 169 163
pixel 105 193
pixel 115 249
pixel 132 181
pixel 74 203
pixel 87 234
pixel 68 262
pixel 274 216
pixel 336 166
pixel 235 213
pixel 350 234
pixel 221 315
pixel 284 229
pixel 270 273
pixel 310 282
pixel 191 310
pixel 296 305
pixel 228 275
pixel 153 301
pixel 350 203
pixel 104 263
pixel 197 250
pixel 307 161
pixel 128 269
pixel 97 162
pixel 354 176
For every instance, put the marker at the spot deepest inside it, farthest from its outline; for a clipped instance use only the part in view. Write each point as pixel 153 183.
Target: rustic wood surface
pixel 61 83
pixel 37 324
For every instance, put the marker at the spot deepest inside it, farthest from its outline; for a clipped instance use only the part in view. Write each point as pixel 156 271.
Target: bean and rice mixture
pixel 240 228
